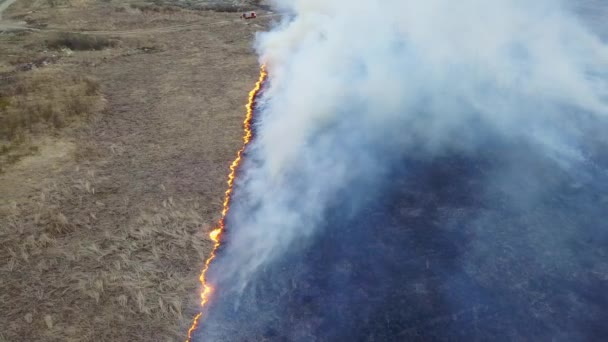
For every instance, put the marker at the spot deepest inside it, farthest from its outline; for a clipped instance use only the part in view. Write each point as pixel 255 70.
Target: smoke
pixel 416 162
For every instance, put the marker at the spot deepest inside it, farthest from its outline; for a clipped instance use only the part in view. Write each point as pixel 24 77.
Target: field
pixel 118 122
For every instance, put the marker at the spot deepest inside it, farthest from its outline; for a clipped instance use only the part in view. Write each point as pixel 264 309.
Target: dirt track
pixel 7 25
pixel 4 5
pixel 166 29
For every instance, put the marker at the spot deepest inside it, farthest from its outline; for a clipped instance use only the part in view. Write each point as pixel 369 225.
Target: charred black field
pixel 433 173
pixel 447 248
pixel 436 173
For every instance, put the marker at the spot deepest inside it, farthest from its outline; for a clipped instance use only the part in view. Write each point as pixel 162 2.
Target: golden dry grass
pixel 103 224
pixel 49 98
pixel 129 278
pixel 42 101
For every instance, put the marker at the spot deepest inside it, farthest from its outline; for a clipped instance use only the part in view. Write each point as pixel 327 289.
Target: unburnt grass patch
pixel 42 102
pixel 132 275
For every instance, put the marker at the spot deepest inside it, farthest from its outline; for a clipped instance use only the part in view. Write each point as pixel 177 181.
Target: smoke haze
pixel 427 170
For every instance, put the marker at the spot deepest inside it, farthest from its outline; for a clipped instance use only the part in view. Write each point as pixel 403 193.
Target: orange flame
pixel 216 234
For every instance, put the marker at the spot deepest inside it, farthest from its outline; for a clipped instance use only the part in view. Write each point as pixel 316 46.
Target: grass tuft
pixel 79 42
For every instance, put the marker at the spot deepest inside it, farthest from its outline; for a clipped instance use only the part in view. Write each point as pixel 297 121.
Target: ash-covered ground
pixel 436 254
pixel 461 196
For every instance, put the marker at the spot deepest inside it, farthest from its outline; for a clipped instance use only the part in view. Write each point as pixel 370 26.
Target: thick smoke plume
pixel 422 170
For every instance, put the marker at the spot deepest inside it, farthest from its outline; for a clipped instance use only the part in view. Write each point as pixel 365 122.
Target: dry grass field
pixel 118 122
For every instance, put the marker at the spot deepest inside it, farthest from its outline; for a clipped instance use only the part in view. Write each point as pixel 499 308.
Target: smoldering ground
pixel 421 171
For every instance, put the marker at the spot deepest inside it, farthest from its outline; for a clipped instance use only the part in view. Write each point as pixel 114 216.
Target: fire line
pixel 216 233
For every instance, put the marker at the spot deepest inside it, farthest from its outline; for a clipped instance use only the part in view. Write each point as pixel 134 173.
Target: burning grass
pixel 215 235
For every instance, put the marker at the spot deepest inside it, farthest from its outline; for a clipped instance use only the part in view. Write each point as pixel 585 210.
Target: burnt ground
pixel 444 249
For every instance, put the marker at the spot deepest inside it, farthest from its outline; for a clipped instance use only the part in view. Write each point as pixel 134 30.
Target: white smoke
pixel 355 84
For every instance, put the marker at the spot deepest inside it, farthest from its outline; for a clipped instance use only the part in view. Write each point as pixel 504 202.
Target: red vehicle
pixel 249 15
